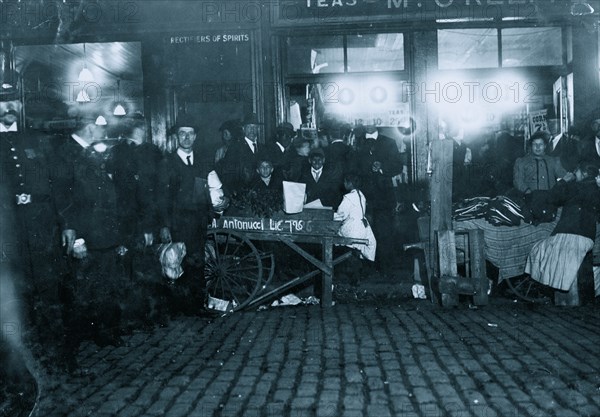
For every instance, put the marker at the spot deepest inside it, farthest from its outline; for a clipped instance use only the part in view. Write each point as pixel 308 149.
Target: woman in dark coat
pixel 555 261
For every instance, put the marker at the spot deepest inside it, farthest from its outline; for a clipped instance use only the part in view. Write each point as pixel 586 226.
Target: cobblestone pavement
pixel 404 359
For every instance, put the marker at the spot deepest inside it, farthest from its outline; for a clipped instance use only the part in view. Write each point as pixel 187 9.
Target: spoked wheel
pixel 528 289
pixel 268 263
pixel 233 268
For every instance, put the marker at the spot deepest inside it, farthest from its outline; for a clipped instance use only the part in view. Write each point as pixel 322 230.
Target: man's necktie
pixel 317 176
pixel 189 160
pixel 254 147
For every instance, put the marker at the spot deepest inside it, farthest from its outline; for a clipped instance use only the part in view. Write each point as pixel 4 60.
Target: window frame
pixel 300 76
pixel 499 29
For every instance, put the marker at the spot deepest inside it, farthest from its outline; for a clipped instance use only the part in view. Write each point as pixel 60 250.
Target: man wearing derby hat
pixel 184 208
pixel 34 250
pixel 239 164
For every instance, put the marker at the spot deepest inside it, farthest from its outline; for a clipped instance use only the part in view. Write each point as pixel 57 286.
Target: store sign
pixel 335 10
pixel 216 38
pixel 397 115
pixel 277 226
pixel 218 63
pixel 538 121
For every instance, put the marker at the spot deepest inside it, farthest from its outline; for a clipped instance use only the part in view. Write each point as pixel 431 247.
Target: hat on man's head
pixel 250 119
pixel 229 125
pixel 185 120
pixel 286 127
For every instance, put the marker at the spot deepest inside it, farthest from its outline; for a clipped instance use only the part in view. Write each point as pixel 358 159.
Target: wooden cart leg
pixel 477 267
pixel 327 277
pixel 446 249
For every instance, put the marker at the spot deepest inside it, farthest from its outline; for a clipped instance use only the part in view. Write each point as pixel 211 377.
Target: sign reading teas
pixel 290 10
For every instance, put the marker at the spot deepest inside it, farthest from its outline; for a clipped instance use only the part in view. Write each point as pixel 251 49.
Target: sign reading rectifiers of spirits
pixel 219 61
pixel 219 38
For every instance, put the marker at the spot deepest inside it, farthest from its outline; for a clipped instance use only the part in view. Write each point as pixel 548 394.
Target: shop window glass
pixel 54 91
pixel 531 47
pixel 315 54
pixel 467 48
pixel 375 52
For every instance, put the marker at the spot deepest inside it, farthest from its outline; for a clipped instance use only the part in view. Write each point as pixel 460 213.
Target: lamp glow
pixel 83 97
pixel 119 111
pixel 100 121
pixel 86 75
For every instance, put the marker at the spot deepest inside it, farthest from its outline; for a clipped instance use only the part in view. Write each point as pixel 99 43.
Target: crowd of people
pixel 559 170
pixel 89 210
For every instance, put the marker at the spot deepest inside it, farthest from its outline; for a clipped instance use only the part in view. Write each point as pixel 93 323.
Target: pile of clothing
pixel 534 208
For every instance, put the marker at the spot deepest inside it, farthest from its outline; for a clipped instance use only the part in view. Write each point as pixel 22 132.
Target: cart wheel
pixel 268 264
pixel 233 268
pixel 528 289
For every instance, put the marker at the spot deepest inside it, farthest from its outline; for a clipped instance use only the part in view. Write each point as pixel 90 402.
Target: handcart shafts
pixel 235 271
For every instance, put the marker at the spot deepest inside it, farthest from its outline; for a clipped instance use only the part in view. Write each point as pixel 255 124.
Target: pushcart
pixel 238 273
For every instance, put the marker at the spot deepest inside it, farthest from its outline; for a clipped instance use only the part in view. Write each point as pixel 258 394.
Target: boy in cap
pixel 323 182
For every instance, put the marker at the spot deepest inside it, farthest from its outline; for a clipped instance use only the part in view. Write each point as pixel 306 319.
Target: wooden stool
pixel 450 284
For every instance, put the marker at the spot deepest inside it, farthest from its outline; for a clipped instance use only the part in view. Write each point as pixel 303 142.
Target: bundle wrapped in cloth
pixel 170 256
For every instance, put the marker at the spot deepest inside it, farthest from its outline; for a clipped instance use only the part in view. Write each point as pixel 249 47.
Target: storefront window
pixel 315 54
pixel 467 48
pixel 376 52
pixel 59 96
pixel 531 47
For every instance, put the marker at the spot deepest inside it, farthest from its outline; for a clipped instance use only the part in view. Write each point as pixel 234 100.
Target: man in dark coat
pixel 323 182
pixel 377 161
pixel 27 173
pixel 185 208
pixel 565 146
pixel 339 153
pixel 590 147
pixel 98 230
pixel 238 167
pixel 277 150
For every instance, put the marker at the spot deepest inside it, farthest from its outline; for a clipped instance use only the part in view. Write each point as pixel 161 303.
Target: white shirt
pixel 555 141
pixel 11 128
pixel 373 135
pixel 250 144
pixel 598 146
pixel 316 172
pixel 183 155
pixel 281 147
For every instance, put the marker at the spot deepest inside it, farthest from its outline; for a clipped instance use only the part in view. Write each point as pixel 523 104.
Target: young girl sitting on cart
pixel 351 212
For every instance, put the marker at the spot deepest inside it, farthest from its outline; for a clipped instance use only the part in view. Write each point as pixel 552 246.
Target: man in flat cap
pixel 34 250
